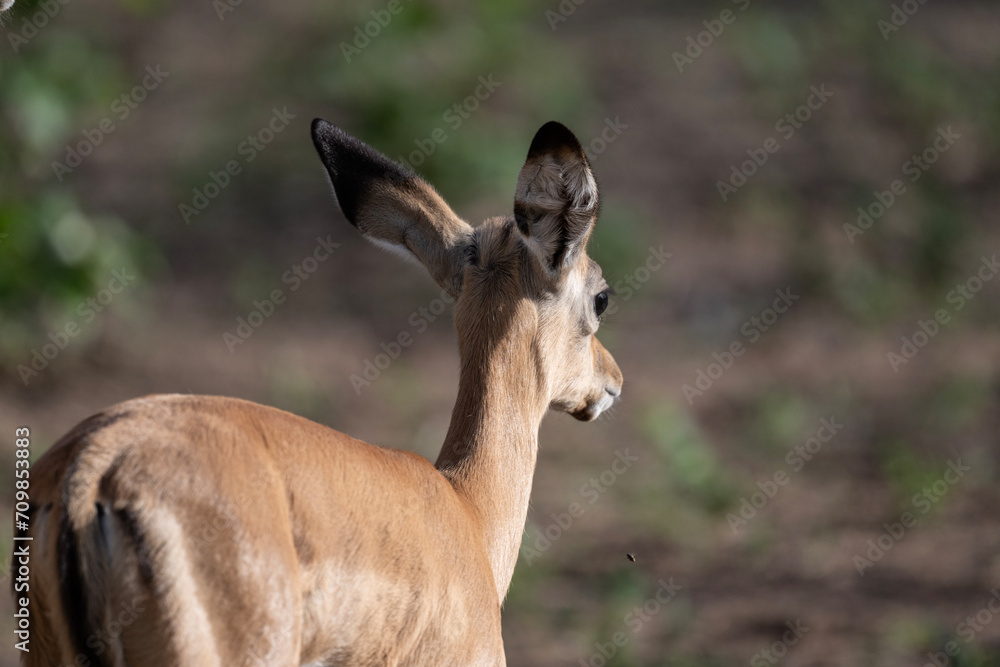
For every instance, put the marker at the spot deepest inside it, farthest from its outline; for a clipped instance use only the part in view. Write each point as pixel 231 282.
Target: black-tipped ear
pixel 353 166
pixel 556 200
pixel 553 137
pixel 393 207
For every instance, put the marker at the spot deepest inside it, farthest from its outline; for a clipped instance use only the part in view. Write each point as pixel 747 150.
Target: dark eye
pixel 601 303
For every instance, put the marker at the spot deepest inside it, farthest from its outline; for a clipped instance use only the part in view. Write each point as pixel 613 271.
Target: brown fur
pixel 213 531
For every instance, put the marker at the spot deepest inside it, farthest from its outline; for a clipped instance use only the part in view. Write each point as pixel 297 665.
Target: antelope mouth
pixel 593 409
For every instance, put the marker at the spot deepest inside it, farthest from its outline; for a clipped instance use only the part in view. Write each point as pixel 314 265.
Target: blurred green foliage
pixel 910 87
pixel 906 473
pixel 693 468
pixel 780 418
pixel 53 253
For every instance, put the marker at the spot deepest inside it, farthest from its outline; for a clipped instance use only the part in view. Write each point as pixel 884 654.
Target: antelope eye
pixel 601 303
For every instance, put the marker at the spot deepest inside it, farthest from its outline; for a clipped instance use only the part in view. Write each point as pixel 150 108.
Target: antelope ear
pixel 555 203
pixel 393 207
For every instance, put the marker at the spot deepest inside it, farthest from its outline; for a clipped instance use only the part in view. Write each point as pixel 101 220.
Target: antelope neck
pixel 490 451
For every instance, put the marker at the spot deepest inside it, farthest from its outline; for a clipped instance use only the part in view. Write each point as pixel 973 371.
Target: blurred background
pixel 810 185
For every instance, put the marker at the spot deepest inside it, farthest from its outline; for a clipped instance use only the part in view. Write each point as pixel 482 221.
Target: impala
pixel 195 530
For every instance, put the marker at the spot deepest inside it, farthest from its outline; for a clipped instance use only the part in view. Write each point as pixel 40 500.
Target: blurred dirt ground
pixel 795 559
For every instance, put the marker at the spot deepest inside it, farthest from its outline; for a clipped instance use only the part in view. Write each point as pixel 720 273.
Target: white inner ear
pixel 549 188
pixel 329 180
pixel 583 188
pixel 395 249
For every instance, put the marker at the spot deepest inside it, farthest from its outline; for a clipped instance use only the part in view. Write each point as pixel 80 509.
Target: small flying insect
pixel 631 557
